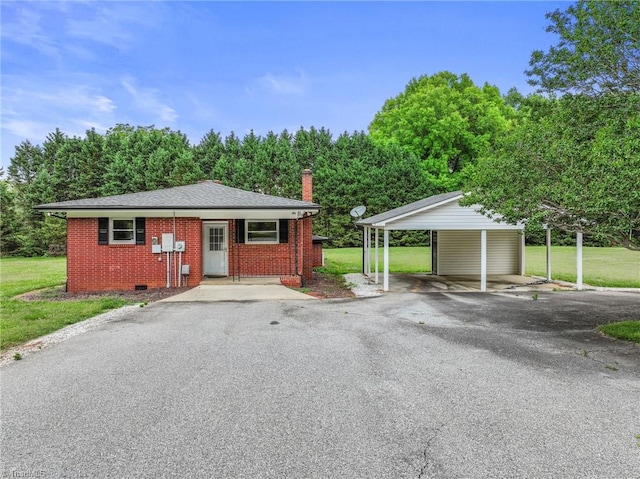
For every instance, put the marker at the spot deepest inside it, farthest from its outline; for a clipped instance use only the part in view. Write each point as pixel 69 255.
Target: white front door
pixel 215 250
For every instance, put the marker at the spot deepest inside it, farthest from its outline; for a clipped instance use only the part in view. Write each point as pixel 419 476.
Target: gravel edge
pixel 362 286
pixel 38 344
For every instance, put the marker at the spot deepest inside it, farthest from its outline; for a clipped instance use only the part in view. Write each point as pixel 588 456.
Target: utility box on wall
pixel 167 242
pixel 156 247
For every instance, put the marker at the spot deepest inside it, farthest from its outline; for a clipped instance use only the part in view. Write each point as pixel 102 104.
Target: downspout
pixel 238 247
pixel 176 273
pixel 296 245
pixel 289 255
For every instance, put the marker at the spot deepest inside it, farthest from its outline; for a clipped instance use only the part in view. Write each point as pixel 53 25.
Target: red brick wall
pixel 307 186
pixel 306 245
pixel 261 259
pixel 317 254
pixel 93 267
pixel 272 259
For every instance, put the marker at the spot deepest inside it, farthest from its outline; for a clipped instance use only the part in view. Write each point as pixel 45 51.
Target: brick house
pixel 177 236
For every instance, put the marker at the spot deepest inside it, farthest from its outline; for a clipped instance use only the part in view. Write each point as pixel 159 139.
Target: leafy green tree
pixel 159 168
pixel 25 163
pixel 233 168
pixel 598 49
pixel 9 219
pixel 446 121
pixel 358 171
pixel 92 165
pixel 311 144
pixel 140 158
pixel 576 169
pixel 26 166
pixel 276 171
pixel 208 152
pixel 185 170
pixel 574 163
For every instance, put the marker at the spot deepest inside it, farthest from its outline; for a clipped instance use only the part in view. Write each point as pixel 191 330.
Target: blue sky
pixel 238 66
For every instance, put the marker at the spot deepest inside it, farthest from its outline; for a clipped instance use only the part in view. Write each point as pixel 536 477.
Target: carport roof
pixel 416 206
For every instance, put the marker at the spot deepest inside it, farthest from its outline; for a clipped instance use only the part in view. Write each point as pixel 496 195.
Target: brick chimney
pixel 307 186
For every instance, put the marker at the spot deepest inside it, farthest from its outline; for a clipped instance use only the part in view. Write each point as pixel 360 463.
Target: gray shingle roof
pixel 410 208
pixel 203 195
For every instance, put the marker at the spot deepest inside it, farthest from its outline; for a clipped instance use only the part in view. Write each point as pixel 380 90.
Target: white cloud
pixel 33 130
pixel 285 84
pixel 64 96
pixel 32 109
pixel 100 29
pixel 89 124
pixel 25 29
pixel 146 99
pixel 115 23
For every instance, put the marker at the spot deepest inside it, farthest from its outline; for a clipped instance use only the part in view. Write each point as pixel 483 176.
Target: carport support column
pixel 385 261
pixel 377 267
pixel 579 260
pixel 548 254
pixel 368 255
pixel 483 260
pixel 523 249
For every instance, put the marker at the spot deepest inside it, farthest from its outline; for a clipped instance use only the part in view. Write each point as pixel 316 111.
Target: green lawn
pixel 628 330
pixel 22 321
pixel 616 267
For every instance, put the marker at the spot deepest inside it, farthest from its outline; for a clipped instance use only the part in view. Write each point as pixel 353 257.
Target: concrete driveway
pixel 248 289
pixel 404 385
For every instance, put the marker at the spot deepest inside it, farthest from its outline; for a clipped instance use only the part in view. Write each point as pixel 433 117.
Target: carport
pixel 463 241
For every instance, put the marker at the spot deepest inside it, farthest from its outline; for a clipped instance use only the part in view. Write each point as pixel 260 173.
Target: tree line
pixel 348 171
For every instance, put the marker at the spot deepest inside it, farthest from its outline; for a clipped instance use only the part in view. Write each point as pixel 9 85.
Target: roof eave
pixel 173 208
pixel 383 223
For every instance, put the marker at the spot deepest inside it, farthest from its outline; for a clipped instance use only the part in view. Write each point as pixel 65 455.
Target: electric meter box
pixel 180 245
pixel 167 242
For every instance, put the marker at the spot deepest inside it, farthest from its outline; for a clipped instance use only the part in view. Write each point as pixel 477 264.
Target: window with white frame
pixel 122 231
pixel 262 231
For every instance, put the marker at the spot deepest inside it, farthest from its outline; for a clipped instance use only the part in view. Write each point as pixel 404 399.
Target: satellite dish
pixel 358 211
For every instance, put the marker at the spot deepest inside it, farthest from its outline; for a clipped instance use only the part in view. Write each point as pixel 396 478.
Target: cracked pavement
pixel 434 385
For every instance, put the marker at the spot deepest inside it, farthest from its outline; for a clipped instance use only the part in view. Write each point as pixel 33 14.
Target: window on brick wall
pixel 122 231
pixel 262 231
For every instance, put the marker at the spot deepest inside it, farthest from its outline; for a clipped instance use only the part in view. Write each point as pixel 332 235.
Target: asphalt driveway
pixel 403 385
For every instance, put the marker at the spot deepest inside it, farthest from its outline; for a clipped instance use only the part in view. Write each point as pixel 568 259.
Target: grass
pixel 614 267
pixel 22 321
pixel 627 330
pixel 401 260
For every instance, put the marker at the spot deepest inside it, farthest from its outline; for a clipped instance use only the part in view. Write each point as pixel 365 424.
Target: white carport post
pixel 376 233
pixel 483 261
pixel 385 261
pixel 365 266
pixel 579 260
pixel 368 251
pixel 523 249
pixel 548 254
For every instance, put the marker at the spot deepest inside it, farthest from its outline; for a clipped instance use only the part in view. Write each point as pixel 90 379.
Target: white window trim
pixel 246 231
pixel 111 230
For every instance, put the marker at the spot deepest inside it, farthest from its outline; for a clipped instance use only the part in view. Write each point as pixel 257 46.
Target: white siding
pixel 459 252
pixel 503 252
pixel 449 216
